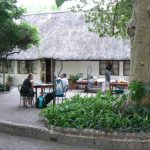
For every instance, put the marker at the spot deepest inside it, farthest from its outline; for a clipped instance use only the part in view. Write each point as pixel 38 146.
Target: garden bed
pixel 100 121
pixel 102 112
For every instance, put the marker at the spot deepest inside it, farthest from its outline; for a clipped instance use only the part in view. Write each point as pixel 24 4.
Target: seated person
pixel 63 87
pixel 91 82
pixel 27 90
pixel 65 81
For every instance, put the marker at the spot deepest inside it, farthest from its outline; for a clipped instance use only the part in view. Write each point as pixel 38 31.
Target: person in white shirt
pixel 59 86
pixel 65 81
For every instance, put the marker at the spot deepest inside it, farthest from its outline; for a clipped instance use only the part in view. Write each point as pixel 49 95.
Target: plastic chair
pixel 60 90
pixel 23 98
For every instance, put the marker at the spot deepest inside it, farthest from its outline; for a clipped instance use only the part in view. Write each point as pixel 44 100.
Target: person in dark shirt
pixel 108 74
pixel 107 78
pixel 27 90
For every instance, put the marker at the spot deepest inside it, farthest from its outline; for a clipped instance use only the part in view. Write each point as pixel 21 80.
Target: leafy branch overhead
pixel 15 32
pixel 107 18
pixel 59 2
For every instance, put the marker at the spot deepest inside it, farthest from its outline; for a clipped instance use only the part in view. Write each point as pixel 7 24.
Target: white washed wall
pixel 19 78
pixel 69 67
pixel 75 67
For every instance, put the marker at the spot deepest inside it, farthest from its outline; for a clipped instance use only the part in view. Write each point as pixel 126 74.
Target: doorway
pixel 48 70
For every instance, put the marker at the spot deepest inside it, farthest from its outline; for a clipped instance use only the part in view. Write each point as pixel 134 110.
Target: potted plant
pixel 1 88
pixel 9 82
pixel 73 79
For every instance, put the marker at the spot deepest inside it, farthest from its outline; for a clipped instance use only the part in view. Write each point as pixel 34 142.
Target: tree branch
pixel 12 53
pixel 114 18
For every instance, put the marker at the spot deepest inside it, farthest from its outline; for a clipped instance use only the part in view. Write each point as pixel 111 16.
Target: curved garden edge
pixel 99 134
pixel 67 136
pixel 98 140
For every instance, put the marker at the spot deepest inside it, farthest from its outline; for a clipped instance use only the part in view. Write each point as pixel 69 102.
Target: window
pixel 34 67
pixel 114 65
pixel 1 66
pixel 126 68
pixel 25 67
pixel 9 66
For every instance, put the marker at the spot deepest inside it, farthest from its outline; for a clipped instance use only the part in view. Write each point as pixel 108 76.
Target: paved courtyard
pixel 10 111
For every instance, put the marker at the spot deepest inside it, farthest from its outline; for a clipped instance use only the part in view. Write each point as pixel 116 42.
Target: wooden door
pixel 48 70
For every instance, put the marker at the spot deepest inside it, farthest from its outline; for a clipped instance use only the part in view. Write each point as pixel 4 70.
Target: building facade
pixel 67 45
pixel 20 69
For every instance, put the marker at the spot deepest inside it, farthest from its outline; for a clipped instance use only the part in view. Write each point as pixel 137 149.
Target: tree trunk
pixel 4 62
pixel 131 33
pixel 140 45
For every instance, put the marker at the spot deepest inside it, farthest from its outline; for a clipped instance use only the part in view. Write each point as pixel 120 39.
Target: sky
pixel 39 6
pixel 36 2
pixel 36 5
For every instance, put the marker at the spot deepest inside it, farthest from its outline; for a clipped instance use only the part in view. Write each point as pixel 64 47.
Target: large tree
pixel 111 17
pixel 14 31
pixel 139 31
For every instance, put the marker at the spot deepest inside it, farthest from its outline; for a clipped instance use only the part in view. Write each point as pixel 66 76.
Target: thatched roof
pixel 65 35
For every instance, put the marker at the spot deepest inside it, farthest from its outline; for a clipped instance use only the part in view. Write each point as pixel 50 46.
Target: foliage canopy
pixel 59 2
pixel 14 31
pixel 107 18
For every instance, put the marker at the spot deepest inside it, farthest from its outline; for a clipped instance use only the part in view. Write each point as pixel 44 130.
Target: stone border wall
pixel 82 138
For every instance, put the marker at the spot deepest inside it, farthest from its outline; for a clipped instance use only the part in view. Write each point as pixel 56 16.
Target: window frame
pixel 124 68
pixel 107 62
pixel 27 65
pixel 9 66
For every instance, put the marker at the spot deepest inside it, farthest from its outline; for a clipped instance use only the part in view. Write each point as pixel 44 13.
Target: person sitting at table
pixel 64 87
pixel 27 90
pixel 65 81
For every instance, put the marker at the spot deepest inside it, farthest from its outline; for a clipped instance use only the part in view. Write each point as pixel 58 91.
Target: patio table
pixel 42 88
pixel 123 85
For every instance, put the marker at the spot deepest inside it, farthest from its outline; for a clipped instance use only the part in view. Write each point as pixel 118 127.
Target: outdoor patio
pixel 10 111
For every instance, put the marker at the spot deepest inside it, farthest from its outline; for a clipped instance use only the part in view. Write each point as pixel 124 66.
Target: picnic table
pixel 42 88
pixel 118 86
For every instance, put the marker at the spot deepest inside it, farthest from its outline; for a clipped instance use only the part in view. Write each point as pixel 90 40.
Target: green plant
pixel 9 81
pixel 1 88
pixel 100 112
pixel 74 78
pixel 4 88
pixel 79 75
pixel 138 90
pixel 9 78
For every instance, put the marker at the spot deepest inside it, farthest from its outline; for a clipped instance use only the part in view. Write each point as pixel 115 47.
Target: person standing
pixel 107 78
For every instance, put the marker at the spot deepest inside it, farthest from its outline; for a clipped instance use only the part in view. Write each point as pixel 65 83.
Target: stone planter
pixel 101 140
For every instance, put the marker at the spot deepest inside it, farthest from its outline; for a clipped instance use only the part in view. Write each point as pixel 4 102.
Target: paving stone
pixel 10 111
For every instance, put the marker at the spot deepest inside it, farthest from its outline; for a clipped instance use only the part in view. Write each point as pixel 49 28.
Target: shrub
pixel 138 90
pixel 101 113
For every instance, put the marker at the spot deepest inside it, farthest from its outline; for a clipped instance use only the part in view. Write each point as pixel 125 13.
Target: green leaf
pixel 59 2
